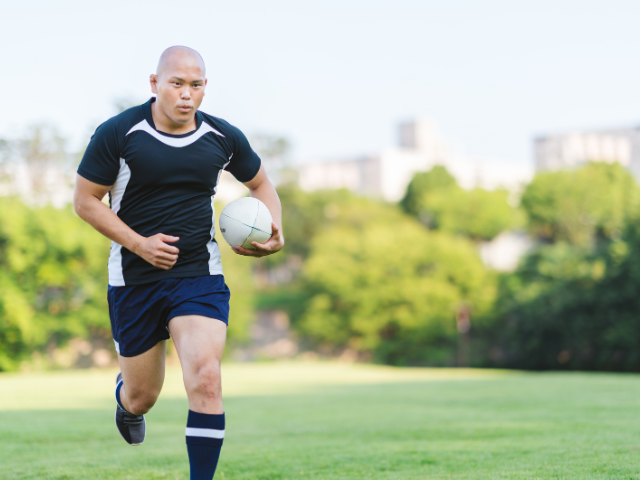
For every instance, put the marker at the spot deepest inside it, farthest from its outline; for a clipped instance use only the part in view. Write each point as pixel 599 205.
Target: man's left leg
pixel 200 343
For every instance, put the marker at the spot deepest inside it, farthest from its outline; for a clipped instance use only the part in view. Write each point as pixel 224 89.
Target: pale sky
pixel 335 76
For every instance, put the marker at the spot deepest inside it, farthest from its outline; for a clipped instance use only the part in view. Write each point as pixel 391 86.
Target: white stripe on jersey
pixel 116 277
pixel 173 141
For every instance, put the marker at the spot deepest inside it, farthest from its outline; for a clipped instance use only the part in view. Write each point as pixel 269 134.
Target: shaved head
pixel 179 84
pixel 178 55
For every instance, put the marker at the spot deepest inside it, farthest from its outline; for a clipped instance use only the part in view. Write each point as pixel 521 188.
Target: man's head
pixel 179 83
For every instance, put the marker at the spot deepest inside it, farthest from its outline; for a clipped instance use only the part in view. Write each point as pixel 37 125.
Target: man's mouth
pixel 185 108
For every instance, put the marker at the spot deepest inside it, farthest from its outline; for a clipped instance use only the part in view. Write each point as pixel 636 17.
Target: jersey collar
pixel 149 118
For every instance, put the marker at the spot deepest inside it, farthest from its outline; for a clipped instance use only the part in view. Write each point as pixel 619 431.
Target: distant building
pixel 422 136
pixel 385 175
pixel 491 174
pixel 388 173
pixel 553 152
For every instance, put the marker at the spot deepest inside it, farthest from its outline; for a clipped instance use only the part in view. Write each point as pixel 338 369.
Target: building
pixel 553 152
pixel 387 173
pixel 420 147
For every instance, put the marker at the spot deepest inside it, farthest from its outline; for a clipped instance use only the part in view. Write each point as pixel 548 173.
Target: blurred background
pixel 459 179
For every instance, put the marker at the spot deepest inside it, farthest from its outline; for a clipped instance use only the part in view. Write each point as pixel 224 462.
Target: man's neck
pixel 166 125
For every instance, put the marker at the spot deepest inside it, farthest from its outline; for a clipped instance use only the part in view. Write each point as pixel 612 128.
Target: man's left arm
pixel 260 187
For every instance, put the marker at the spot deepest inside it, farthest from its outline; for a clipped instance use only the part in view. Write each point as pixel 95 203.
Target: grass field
pixel 335 421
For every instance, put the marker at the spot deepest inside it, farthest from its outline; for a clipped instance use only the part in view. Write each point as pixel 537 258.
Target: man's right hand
pixel 157 252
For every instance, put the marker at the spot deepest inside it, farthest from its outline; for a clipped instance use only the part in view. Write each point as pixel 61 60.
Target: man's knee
pixel 140 402
pixel 206 381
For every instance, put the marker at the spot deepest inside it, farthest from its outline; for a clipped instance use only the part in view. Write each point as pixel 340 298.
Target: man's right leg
pixel 138 318
pixel 138 386
pixel 143 376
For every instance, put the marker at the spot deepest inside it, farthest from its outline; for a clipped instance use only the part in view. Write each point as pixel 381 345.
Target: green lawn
pixel 335 421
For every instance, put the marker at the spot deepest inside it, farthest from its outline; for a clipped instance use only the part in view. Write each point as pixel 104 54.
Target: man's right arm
pixel 87 202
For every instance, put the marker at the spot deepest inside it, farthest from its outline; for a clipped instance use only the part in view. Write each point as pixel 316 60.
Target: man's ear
pixel 153 80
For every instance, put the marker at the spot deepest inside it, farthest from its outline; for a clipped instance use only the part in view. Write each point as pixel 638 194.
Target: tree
pixel 435 198
pixel 424 185
pixel 573 301
pixel 305 214
pixel 581 206
pixel 574 307
pixel 53 280
pixel 381 284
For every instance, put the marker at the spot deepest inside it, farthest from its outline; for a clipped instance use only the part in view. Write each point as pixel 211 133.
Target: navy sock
pixel 204 440
pixel 118 387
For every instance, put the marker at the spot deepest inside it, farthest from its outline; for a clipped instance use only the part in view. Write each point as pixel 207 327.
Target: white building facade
pixel 387 174
pixel 553 152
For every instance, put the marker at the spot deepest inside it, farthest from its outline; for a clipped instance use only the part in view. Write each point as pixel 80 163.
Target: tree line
pixel 383 281
pixel 389 281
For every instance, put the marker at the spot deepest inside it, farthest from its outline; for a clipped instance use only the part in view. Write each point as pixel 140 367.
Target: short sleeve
pixel 244 163
pixel 101 160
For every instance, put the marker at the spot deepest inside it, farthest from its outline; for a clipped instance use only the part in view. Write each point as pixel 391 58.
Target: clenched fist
pixel 157 251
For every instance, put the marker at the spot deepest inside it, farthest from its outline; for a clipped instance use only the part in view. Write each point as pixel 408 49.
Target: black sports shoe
pixel 133 428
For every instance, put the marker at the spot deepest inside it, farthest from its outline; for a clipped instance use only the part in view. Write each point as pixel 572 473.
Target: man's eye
pixel 177 83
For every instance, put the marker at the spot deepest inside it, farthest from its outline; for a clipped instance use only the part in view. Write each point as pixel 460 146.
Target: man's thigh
pixel 144 373
pixel 199 341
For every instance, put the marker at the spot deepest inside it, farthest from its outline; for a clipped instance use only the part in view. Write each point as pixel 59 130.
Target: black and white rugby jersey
pixel 164 183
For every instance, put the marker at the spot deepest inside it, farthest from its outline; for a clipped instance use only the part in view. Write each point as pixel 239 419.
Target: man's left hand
pixel 273 245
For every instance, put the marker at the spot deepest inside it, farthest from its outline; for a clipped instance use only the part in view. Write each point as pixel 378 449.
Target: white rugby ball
pixel 244 221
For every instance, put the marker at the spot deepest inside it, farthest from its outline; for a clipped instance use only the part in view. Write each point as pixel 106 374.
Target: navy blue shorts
pixel 140 314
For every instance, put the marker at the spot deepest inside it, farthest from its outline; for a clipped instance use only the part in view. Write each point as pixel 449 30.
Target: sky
pixel 335 77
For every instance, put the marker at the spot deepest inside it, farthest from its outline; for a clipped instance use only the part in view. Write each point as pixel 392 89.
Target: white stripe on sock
pixel 204 432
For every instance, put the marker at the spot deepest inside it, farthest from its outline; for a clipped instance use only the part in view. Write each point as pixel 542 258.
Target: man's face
pixel 180 89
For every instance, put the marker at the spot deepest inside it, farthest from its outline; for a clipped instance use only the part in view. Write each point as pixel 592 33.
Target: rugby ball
pixel 244 221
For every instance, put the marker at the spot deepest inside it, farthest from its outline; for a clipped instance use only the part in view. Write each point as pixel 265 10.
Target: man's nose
pixel 186 93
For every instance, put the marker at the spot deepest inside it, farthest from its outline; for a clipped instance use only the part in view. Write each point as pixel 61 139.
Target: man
pixel 160 162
